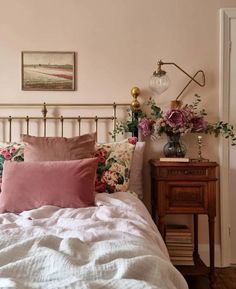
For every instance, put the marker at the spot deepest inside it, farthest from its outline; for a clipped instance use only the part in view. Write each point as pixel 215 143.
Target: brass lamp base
pixel 174 104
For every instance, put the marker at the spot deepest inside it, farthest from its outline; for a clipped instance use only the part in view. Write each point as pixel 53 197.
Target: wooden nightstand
pixel 186 188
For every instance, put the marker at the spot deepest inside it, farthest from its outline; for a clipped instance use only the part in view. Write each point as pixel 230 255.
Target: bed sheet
pixel 114 244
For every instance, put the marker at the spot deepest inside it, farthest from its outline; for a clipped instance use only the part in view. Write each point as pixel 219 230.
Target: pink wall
pixel 118 44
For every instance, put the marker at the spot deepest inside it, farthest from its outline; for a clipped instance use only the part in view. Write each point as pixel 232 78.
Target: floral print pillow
pixel 11 151
pixel 114 161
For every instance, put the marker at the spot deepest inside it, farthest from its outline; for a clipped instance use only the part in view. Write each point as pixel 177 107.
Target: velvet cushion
pixel 58 148
pixel 29 185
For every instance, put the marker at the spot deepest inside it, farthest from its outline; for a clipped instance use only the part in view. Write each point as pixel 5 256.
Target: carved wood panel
pixel 186 196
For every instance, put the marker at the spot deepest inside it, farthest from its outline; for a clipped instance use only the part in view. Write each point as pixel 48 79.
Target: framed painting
pixel 48 70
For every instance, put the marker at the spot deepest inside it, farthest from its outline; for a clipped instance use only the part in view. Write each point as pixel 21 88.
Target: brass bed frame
pixel 134 105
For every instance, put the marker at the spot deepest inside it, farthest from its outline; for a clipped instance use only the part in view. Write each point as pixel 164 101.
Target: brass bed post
pixel 135 107
pixel 96 126
pixel 10 122
pixel 44 112
pixel 62 123
pixel 114 120
pixel 79 123
pixel 27 124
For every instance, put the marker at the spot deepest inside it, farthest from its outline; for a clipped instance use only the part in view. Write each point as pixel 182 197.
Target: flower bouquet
pixel 175 122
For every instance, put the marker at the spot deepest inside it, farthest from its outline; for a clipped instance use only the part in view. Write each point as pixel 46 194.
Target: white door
pixel 232 149
pixel 227 93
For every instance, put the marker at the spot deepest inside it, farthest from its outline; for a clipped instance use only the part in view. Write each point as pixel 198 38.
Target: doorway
pixel 227 152
pixel 232 150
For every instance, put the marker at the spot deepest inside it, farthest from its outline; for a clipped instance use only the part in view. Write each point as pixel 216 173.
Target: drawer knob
pixel 186 172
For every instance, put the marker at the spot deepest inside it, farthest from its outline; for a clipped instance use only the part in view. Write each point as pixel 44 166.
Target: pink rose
pixel 145 126
pixel 199 124
pixel 132 140
pixel 101 159
pixel 12 150
pixel 100 187
pixel 7 155
pixel 101 152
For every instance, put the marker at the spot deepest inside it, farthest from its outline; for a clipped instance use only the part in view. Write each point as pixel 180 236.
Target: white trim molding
pixel 226 14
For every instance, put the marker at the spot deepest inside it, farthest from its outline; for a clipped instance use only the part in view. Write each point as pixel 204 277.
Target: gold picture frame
pixel 49 70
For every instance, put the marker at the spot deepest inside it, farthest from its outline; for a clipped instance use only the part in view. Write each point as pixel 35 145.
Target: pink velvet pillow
pixel 31 185
pixel 58 148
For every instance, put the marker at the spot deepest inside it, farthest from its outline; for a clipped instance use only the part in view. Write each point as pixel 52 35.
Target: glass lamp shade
pixel 159 83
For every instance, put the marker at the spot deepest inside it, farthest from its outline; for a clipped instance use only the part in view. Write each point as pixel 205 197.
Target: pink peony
pixel 176 117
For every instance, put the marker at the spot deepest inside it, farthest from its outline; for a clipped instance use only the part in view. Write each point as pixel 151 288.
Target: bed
pixel 55 232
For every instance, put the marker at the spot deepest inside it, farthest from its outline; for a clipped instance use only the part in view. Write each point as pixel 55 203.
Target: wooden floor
pixel 225 278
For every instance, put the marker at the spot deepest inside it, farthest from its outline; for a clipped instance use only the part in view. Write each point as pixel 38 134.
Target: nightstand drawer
pixel 188 197
pixel 183 173
pixel 186 172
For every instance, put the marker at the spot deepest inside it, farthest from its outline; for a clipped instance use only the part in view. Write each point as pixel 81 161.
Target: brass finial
pixel 135 104
pixel 44 110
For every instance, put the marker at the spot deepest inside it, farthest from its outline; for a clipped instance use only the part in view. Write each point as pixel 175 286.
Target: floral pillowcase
pixel 114 162
pixel 10 151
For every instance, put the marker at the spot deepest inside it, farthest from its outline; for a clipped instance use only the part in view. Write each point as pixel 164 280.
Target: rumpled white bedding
pixel 112 245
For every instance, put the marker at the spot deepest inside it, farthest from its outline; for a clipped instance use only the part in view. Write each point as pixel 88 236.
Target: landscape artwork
pixel 48 70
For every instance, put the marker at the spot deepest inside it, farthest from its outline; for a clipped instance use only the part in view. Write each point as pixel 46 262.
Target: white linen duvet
pixel 112 245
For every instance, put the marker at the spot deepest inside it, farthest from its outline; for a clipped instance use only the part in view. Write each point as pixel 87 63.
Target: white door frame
pixel 226 14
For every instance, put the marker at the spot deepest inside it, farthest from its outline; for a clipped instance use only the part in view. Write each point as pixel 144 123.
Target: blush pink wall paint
pixel 117 44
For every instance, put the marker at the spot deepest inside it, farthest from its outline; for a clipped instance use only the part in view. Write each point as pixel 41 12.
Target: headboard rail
pixel 80 115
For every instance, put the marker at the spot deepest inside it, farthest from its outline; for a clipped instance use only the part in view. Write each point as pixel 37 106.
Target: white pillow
pixel 136 170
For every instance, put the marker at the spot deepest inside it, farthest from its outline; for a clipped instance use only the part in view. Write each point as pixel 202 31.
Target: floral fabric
pixel 11 151
pixel 114 162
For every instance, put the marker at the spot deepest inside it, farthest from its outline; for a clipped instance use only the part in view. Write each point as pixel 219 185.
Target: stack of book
pixel 179 244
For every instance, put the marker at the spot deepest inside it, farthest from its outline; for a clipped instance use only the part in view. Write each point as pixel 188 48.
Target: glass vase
pixel 174 148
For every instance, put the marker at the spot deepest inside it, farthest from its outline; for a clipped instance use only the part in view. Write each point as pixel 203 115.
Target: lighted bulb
pixel 159 83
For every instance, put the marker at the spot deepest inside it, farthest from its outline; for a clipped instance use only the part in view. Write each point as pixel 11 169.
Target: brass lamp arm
pixel 192 78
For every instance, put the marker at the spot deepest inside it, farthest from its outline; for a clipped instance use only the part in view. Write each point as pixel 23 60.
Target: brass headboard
pixel 77 117
pixel 45 118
